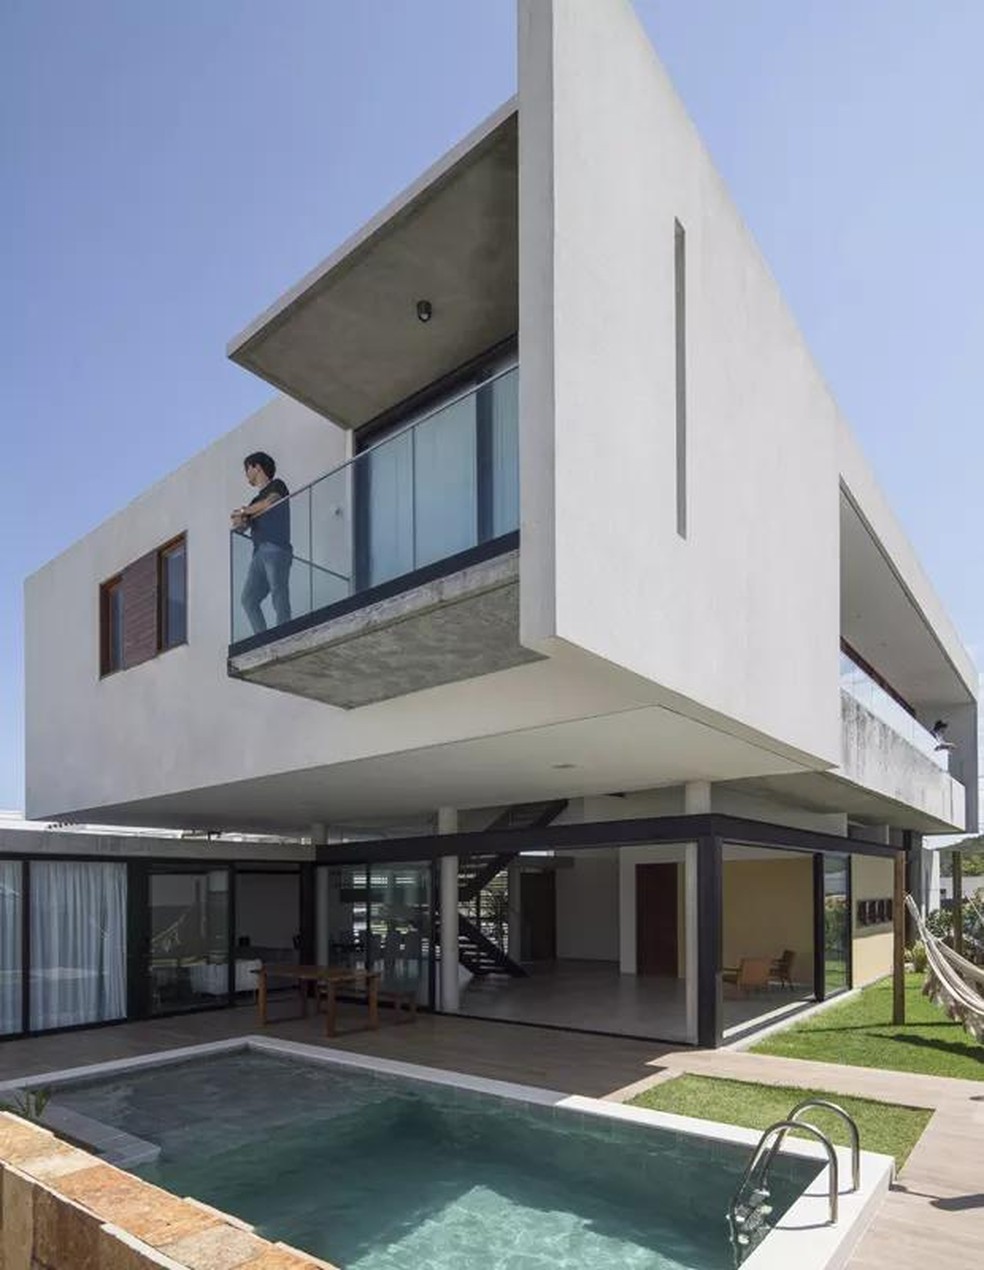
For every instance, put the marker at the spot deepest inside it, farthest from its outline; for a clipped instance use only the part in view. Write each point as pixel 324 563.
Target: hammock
pixel 952 982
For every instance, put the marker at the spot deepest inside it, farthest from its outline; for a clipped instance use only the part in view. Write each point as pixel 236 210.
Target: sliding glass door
pixel 189 939
pixel 441 484
pixel 11 928
pixel 399 933
pixel 378 916
pixel 836 923
pixel 77 943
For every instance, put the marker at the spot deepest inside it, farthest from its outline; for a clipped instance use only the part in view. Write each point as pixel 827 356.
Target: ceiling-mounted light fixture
pixel 424 310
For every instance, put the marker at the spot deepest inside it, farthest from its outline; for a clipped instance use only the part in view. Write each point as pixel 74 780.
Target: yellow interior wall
pixel 768 906
pixel 872 878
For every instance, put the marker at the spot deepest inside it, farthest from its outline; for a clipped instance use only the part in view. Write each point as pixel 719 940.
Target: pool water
pixel 373 1172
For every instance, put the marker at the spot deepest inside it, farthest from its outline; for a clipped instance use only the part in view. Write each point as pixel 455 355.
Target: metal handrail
pixel 759 1155
pixel 848 1120
pixel 409 426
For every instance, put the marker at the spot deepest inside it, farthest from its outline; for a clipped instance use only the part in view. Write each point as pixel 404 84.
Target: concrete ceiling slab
pixel 347 342
pixel 882 622
pixel 627 750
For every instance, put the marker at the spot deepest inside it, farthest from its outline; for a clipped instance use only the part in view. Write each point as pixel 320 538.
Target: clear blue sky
pixel 168 169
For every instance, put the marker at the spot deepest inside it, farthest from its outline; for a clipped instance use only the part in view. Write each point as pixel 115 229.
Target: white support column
pixel 696 798
pixel 447 822
pixel 319 837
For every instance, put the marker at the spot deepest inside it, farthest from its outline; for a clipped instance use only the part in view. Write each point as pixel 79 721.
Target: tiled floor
pixel 566 1061
pixel 934 1215
pixel 593 995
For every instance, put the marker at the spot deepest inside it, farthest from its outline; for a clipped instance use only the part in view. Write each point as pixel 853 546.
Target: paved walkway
pixel 934 1214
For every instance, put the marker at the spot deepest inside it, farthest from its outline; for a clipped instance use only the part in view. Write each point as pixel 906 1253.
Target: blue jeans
pixel 268 574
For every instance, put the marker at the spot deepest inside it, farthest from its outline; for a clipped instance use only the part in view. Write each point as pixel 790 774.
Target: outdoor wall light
pixel 424 310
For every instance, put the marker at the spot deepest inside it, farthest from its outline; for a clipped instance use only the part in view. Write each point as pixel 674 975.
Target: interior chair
pixel 781 970
pixel 751 974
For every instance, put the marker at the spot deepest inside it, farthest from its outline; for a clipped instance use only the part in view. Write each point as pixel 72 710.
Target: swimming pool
pixel 379 1166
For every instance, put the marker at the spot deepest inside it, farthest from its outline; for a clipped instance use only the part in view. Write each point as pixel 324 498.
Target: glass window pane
pixel 174 592
pixel 342 911
pixel 112 616
pixel 387 473
pixel 78 943
pixel 505 454
pixel 10 946
pixel 189 939
pixel 445 483
pixel 836 921
pixel 331 538
pixel 400 937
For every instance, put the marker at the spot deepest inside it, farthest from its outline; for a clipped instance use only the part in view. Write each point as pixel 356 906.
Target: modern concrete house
pixel 607 693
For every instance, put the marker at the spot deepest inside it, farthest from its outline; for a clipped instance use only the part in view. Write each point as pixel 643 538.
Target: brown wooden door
pixel 538 916
pixel 656 919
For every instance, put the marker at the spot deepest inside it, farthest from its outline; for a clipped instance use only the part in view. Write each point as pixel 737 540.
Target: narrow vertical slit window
pixel 680 335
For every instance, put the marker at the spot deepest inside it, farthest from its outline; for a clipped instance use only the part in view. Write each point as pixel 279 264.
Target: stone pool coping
pixel 63 1209
pixel 802 1238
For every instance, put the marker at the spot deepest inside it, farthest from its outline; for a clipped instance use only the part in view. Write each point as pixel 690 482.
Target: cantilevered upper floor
pixel 572 512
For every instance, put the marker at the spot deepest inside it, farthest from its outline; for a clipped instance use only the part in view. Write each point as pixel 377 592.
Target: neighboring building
pixel 601 632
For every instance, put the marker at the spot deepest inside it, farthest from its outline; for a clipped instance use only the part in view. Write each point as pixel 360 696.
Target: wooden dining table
pixel 332 977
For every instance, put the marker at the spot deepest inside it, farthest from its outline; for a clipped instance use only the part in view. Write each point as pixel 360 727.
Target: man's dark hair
pixel 259 459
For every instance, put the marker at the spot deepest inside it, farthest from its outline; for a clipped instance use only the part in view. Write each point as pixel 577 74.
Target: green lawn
pixel 860 1032
pixel 883 1127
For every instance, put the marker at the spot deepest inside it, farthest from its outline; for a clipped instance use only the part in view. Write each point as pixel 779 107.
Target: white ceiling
pixel 632 749
pixel 347 342
pixel 882 622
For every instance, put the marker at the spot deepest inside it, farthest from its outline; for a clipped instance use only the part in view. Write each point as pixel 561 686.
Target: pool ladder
pixel 750 1207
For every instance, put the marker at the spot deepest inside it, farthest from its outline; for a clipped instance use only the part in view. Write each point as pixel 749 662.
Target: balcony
pixel 867 692
pixel 886 750
pixel 405 565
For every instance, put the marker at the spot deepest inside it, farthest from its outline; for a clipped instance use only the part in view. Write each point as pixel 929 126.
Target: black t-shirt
pixel 274 524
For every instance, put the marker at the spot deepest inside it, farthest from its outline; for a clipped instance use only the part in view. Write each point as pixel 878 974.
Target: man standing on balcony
pixel 267 517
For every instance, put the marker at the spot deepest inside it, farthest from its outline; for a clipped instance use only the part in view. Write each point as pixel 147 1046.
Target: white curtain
pixel 78 943
pixel 10 946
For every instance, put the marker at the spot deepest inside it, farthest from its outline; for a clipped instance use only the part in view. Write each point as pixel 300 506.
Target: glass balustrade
pixel 870 694
pixel 445 483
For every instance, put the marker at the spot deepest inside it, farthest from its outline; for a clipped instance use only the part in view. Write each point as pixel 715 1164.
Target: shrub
pixel 28 1104
pixel 917 956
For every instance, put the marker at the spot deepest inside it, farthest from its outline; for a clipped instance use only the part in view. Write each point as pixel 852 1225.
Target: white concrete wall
pixel 587 907
pixel 742 616
pixel 177 721
pixel 872 878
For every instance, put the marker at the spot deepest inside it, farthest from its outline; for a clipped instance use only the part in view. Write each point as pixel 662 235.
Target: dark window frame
pixel 115 585
pixel 405 415
pixel 170 548
pixel 107 590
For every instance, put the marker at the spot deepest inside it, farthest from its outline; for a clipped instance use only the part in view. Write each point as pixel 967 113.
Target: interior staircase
pixel 476 951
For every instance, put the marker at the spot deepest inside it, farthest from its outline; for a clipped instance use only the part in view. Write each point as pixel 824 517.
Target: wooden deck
pixel 570 1062
pixel 934 1216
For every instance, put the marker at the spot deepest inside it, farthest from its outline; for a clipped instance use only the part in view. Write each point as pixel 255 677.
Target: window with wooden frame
pixel 111 626
pixel 172 595
pixel 143 611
